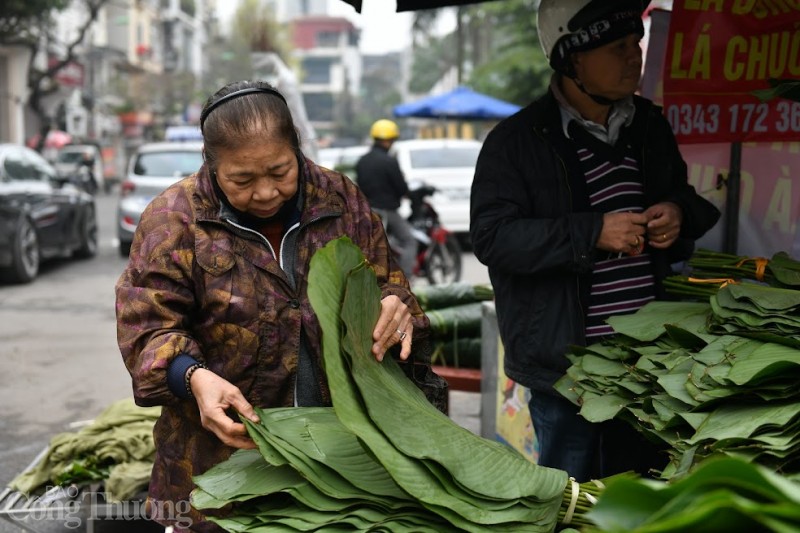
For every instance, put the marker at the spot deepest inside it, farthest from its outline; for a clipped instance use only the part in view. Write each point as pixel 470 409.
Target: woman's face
pixel 258 177
pixel 612 70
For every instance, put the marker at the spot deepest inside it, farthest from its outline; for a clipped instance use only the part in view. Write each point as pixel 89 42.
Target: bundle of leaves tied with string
pixel 455 313
pixel 710 270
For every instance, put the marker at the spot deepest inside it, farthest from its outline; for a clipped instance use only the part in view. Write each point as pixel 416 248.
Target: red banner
pixel 718 53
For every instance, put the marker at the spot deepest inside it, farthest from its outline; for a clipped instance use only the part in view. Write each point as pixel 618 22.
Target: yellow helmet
pixel 384 129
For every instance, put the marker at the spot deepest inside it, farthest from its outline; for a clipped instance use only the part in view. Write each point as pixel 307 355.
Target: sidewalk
pixel 465 410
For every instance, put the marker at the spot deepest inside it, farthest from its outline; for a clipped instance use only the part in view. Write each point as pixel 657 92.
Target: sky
pixel 382 29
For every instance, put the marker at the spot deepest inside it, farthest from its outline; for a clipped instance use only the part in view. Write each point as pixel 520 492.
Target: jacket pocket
pixel 214 251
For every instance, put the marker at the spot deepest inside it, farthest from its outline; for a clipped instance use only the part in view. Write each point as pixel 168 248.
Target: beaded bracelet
pixel 188 377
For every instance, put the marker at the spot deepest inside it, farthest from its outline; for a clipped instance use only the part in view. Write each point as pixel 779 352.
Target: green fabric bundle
pixel 117 447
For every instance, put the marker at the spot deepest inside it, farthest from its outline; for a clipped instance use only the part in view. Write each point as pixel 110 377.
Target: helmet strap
pixel 602 100
pixel 567 69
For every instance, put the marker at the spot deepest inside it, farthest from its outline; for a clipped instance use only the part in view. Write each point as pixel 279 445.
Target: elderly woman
pixel 212 310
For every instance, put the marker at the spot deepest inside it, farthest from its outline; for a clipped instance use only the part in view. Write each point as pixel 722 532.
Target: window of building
pixel 319 106
pixel 327 39
pixel 317 69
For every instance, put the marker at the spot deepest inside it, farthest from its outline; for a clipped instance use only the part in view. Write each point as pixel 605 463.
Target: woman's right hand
pixel 215 396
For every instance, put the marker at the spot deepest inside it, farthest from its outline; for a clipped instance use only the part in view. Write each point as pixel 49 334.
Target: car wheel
pixel 124 248
pixel 25 256
pixel 88 245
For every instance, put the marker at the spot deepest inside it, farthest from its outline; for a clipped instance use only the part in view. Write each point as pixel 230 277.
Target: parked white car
pixel 153 168
pixel 449 166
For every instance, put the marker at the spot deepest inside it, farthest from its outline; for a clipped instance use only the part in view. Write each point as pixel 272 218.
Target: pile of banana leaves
pixel 384 459
pixel 723 495
pixel 455 314
pixel 757 311
pixel 700 392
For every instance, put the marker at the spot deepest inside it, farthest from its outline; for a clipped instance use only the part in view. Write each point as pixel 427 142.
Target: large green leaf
pixel 414 427
pixel 647 324
pixel 722 495
pixel 415 442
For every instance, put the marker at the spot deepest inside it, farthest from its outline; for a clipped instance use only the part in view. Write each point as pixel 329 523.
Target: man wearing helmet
pixel 383 183
pixel 580 204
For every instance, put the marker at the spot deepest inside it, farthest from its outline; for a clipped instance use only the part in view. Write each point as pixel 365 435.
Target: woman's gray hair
pixel 241 111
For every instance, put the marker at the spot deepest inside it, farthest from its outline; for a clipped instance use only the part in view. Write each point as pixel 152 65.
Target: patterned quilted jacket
pixel 198 285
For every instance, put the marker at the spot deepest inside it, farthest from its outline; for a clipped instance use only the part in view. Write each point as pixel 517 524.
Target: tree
pixel 19 20
pixel 29 24
pixel 254 23
pixel 512 66
pixel 495 48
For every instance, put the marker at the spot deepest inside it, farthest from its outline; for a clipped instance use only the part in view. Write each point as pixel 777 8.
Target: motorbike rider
pixel 383 183
pixel 86 172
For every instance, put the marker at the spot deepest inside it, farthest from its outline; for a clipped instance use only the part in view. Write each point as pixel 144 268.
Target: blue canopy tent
pixel 462 103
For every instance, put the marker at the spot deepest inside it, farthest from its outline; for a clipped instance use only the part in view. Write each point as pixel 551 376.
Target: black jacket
pixel 532 225
pixel 380 179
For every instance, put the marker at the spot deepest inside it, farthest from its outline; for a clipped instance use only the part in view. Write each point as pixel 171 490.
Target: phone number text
pixel 710 119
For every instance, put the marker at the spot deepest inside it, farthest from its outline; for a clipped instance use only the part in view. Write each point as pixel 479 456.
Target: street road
pixel 59 361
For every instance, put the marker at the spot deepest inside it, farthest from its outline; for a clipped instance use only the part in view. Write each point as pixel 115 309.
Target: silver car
pixel 153 168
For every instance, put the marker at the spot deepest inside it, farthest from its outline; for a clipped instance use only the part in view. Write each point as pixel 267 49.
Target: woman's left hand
pixel 393 327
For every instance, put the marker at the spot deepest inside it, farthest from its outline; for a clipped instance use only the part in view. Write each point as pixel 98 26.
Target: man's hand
pixel 214 396
pixel 664 224
pixel 622 232
pixel 393 327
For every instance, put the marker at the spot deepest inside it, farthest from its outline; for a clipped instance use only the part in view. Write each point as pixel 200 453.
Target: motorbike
pixel 81 176
pixel 85 180
pixel 439 253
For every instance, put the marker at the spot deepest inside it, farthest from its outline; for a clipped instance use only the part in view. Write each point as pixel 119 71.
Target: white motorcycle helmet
pixel 567 26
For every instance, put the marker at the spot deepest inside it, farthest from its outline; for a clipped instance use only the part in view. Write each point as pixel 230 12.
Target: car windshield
pixel 168 164
pixel 70 157
pixel 445 157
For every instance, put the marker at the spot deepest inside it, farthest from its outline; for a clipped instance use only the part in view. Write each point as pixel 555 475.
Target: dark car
pixel 42 215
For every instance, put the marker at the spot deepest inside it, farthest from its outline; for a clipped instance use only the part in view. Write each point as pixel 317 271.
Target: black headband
pixel 236 94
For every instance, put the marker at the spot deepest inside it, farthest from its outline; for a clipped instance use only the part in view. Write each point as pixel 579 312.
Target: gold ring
pixel 636 242
pixel 664 237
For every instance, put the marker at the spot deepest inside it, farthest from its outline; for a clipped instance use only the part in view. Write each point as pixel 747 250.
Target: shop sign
pixel 719 53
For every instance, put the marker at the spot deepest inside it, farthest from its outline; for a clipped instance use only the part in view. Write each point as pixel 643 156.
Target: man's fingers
pixel 640 219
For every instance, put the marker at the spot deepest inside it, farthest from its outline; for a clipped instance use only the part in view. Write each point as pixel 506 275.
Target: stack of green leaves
pixel 701 393
pixel 455 313
pixel 757 311
pixel 724 495
pixel 710 271
pixel 383 458
pixel 451 294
